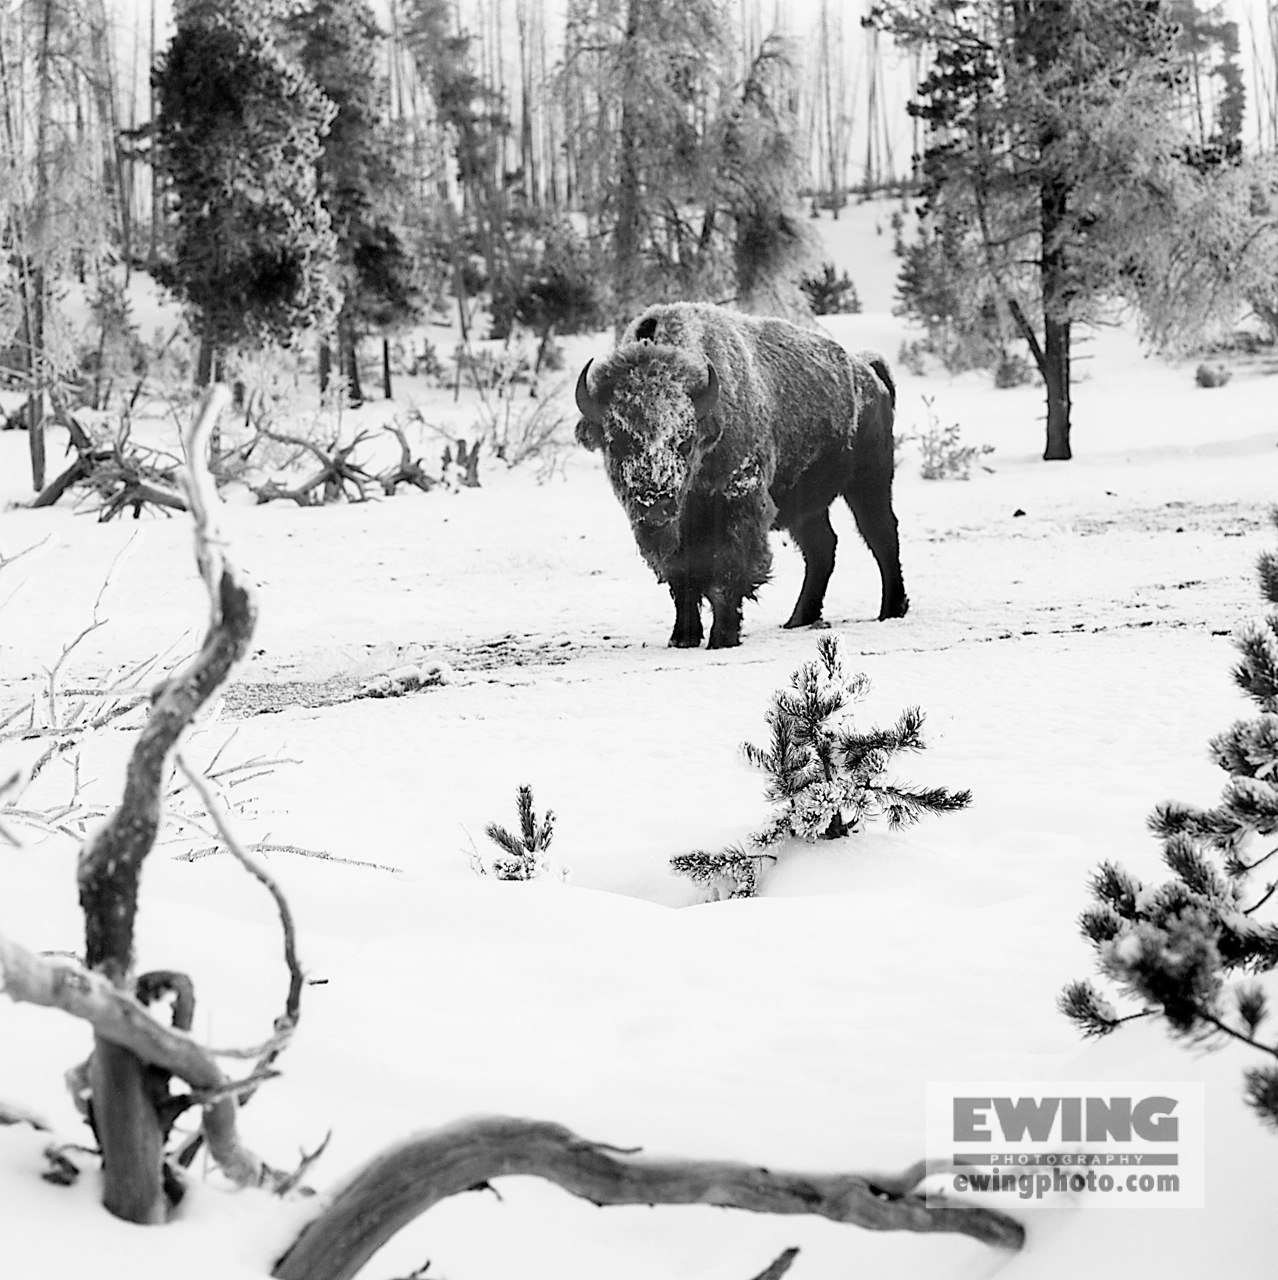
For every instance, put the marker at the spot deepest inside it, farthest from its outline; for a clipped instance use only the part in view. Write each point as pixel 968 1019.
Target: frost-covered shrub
pixel 1178 949
pixel 942 456
pixel 826 780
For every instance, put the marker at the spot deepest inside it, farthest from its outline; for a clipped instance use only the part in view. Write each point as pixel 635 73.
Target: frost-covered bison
pixel 716 427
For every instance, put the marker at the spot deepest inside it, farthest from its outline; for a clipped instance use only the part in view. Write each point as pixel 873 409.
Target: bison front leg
pixel 725 631
pixel 687 631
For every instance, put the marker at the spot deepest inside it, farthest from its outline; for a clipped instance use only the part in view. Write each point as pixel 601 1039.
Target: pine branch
pixel 1257 671
pixel 1261 1085
pixel 906 804
pixel 512 844
pixel 527 823
pixel 1214 826
pixel 1100 924
pixel 1181 854
pixel 1112 885
pixel 1088 1010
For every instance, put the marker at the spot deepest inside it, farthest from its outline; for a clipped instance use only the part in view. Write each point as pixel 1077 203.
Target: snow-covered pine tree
pixel 826 779
pixel 522 856
pixel 1174 947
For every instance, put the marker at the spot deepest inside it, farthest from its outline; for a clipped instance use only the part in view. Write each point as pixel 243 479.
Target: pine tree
pixel 825 778
pixel 1174 947
pixel 361 183
pixel 239 135
pixel 1051 126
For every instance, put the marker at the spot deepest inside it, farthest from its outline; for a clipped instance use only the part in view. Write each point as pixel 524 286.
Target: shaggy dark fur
pixel 797 422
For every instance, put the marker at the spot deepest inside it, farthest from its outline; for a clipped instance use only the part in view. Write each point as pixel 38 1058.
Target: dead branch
pixel 266 846
pixel 337 478
pixel 221 820
pixel 404 1181
pixel 119 1018
pixel 467 464
pixel 779 1266
pixel 124 475
pixel 409 469
pixel 129 1127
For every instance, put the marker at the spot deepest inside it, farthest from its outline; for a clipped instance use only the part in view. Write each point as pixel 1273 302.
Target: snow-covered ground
pixel 1068 638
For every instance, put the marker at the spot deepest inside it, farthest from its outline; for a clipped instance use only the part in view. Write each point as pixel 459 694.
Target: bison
pixel 717 426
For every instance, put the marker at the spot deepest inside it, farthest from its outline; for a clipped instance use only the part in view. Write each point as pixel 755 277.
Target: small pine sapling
pixel 522 856
pixel 825 779
pixel 1173 948
pixel 941 456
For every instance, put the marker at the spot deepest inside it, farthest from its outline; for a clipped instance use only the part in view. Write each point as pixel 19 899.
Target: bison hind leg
pixel 815 537
pixel 871 506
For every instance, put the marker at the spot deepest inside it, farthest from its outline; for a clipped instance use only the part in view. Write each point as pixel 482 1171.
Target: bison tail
pixel 880 366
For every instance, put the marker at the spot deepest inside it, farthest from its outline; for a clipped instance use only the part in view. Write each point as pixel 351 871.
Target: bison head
pixel 651 412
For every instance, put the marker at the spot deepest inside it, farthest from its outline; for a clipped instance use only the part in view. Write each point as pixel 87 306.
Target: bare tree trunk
pixel 153 251
pixel 205 361
pixel 626 233
pixel 1055 365
pixel 348 356
pixel 386 370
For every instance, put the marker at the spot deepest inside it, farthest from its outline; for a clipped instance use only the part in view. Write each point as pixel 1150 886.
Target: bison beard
pixel 716 427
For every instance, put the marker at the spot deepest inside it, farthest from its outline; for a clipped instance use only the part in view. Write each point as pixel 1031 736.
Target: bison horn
pixel 587 405
pixel 704 401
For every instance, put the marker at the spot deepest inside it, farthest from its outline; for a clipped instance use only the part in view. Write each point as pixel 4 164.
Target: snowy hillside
pixel 1068 639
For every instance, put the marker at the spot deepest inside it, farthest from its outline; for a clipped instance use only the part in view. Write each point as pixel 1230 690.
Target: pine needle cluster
pixel 826 779
pixel 522 856
pixel 1173 948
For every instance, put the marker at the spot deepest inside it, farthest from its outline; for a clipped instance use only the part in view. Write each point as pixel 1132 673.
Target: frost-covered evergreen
pixel 825 779
pixel 1174 947
pixel 522 856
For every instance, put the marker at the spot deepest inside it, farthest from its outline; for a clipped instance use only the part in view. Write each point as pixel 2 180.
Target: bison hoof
pixel 683 642
pixel 723 642
pixel 897 609
pixel 796 621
